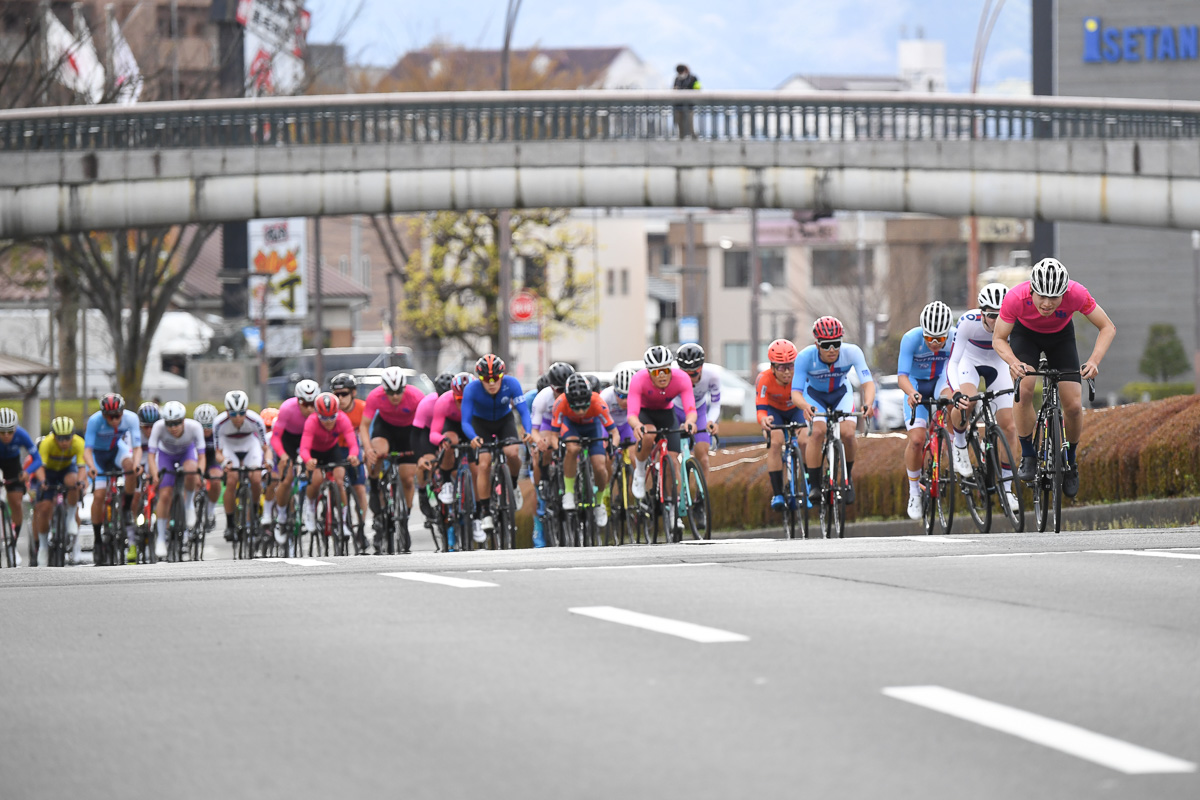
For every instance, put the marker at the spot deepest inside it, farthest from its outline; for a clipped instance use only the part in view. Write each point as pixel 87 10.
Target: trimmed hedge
pixel 1157 391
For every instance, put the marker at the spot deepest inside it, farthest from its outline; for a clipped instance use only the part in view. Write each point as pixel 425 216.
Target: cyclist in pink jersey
pixel 387 426
pixel 426 451
pixel 319 444
pixel 652 394
pixel 1035 318
pixel 286 435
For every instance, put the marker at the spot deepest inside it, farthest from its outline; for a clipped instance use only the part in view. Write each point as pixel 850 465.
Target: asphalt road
pixel 1000 666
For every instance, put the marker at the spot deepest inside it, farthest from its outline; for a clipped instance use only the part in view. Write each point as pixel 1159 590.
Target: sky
pixel 753 44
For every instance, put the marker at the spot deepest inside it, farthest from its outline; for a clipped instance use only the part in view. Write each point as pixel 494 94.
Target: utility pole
pixel 755 287
pixel 504 217
pixel 319 338
pixel 1196 309
pixel 861 246
pixel 50 290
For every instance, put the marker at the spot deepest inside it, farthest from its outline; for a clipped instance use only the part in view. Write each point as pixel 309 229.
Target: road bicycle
pixel 293 526
pixel 108 547
pixel 625 513
pixel 59 540
pixel 393 507
pixel 330 520
pixel 795 486
pixel 439 522
pixel 580 528
pixel 503 500
pixel 550 488
pixel 178 535
pixel 694 503
pixel 246 522
pixel 830 494
pixel 356 515
pixel 463 506
pixel 1050 446
pixel 937 466
pixel 661 504
pixel 989 453
pixel 144 524
pixel 9 535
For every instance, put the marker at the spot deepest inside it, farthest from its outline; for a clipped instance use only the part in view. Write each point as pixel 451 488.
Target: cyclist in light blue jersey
pixel 819 384
pixel 113 441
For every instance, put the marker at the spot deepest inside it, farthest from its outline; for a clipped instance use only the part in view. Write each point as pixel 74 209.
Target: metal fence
pixel 589 116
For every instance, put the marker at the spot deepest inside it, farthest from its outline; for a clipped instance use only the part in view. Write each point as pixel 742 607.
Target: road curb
pixel 1168 513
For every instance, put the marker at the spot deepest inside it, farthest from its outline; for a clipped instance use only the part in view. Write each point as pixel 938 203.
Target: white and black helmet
pixel 307 390
pixel 236 402
pixel 8 420
pixel 1049 278
pixel 205 413
pixel 394 379
pixel 622 380
pixel 174 411
pixel 992 295
pixel 936 319
pixel 657 357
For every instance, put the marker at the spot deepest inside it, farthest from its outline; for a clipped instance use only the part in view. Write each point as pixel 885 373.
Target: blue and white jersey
pixel 918 362
pixel 101 436
pixel 813 373
pixel 22 443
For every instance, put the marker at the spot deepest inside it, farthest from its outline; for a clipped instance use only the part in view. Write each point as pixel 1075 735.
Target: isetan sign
pixel 1139 43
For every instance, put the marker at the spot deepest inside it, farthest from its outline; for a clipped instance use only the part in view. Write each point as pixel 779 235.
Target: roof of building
pixel 850 83
pixel 17 367
pixel 665 290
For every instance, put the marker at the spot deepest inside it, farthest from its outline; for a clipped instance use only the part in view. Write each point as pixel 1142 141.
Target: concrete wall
pixel 1140 276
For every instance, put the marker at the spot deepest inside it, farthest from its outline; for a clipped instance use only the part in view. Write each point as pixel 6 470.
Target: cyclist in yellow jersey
pixel 61 454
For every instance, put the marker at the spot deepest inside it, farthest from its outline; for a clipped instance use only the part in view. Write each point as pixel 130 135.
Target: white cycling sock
pixel 1006 472
pixel 43 541
pixel 190 497
pixel 212 507
pixel 914 475
pixel 162 527
pixel 268 508
pixel 960 438
pixel 310 505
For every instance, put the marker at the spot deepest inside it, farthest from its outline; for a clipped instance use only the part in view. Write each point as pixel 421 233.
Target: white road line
pixel 672 627
pixel 425 577
pixel 1097 748
pixel 301 562
pixel 930 539
pixel 608 566
pixel 1155 553
pixel 1010 555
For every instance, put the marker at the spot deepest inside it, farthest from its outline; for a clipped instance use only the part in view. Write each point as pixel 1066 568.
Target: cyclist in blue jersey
pixel 14 441
pixel 487 414
pixel 924 352
pixel 819 384
pixel 113 441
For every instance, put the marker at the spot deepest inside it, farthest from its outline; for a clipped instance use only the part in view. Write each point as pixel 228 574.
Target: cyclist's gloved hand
pixel 353 461
pixel 477 442
pixel 311 464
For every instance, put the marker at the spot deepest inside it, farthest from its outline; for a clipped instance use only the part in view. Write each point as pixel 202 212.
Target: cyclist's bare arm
pixel 1104 339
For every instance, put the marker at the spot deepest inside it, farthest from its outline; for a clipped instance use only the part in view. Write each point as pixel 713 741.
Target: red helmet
pixel 781 351
pixel 112 405
pixel 326 405
pixel 459 383
pixel 490 367
pixel 828 328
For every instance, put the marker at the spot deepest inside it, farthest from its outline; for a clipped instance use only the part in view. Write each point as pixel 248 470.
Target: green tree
pixel 451 285
pixel 1164 356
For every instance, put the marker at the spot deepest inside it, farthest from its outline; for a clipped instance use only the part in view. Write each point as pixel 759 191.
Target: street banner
pixel 78 68
pixel 278 277
pixel 274 45
pixel 127 77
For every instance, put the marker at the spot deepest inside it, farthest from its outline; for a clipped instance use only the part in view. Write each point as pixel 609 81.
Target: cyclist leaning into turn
pixel 1035 318
pixel 923 356
pixel 819 384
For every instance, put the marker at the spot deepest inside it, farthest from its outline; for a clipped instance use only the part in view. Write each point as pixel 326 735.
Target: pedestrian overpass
pixel 75 168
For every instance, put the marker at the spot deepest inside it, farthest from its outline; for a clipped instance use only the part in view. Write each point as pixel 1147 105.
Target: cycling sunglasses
pixel 991 315
pixel 935 339
pixel 787 366
pixel 658 372
pixel 348 394
pixel 833 344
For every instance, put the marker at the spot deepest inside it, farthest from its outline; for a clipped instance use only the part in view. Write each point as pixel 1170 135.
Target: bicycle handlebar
pixel 498 444
pixel 1055 375
pixel 929 402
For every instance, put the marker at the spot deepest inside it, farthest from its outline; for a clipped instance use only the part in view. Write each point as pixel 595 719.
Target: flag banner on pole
pixel 77 66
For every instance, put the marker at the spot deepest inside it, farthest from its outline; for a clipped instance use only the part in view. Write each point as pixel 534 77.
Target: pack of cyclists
pixel 336 435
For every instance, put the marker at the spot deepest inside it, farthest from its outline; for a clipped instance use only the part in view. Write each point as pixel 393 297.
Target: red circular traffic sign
pixel 522 307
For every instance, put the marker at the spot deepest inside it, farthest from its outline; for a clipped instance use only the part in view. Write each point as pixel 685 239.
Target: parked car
pixel 370 377
pixel 335 360
pixel 891 406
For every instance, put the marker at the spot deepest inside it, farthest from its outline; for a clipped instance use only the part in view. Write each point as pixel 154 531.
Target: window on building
pixel 610 282
pixel 625 282
pixel 839 267
pixel 365 262
pixel 737 356
pixel 737 267
pixel 344 265
pixel 950 276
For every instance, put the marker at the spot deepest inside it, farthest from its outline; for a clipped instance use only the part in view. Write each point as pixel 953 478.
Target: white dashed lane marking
pixel 1155 553
pixel 443 580
pixel 300 562
pixel 671 627
pixel 1064 737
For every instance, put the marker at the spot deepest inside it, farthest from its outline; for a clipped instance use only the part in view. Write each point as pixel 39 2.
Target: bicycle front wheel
pixel 1042 496
pixel 945 480
pixel 1057 469
pixel 506 515
pixel 975 487
pixel 998 454
pixel 669 501
pixel 699 514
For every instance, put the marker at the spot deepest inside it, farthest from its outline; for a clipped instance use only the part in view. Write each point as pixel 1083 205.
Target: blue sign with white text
pixel 1136 43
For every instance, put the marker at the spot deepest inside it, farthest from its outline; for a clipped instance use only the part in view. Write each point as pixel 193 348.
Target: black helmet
pixel 542 382
pixel 593 382
pixel 690 356
pixel 558 373
pixel 441 384
pixel 579 392
pixel 343 381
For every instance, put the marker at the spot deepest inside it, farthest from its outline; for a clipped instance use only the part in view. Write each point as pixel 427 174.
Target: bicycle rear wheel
pixel 1057 469
pixel 999 454
pixel 699 516
pixel 505 517
pixel 1041 482
pixel 403 540
pixel 946 479
pixel 175 532
pixel 840 487
pixel 791 516
pixel 975 488
pixel 465 510
pixel 668 508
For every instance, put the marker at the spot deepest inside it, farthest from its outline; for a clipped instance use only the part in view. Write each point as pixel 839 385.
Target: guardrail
pixel 485 117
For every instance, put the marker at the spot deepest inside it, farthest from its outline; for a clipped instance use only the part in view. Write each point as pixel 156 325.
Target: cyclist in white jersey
pixel 176 445
pixel 972 359
pixel 706 389
pixel 239 437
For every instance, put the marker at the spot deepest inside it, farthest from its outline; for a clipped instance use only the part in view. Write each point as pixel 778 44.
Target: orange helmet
pixel 828 328
pixel 781 351
pixel 269 415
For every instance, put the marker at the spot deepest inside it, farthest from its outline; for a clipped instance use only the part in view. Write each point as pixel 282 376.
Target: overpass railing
pixel 483 117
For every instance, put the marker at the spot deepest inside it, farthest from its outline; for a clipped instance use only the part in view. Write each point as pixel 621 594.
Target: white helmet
pixel 936 319
pixel 1049 278
pixel 657 357
pixel 205 413
pixel 622 380
pixel 992 295
pixel 236 402
pixel 394 379
pixel 8 420
pixel 174 411
pixel 307 390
